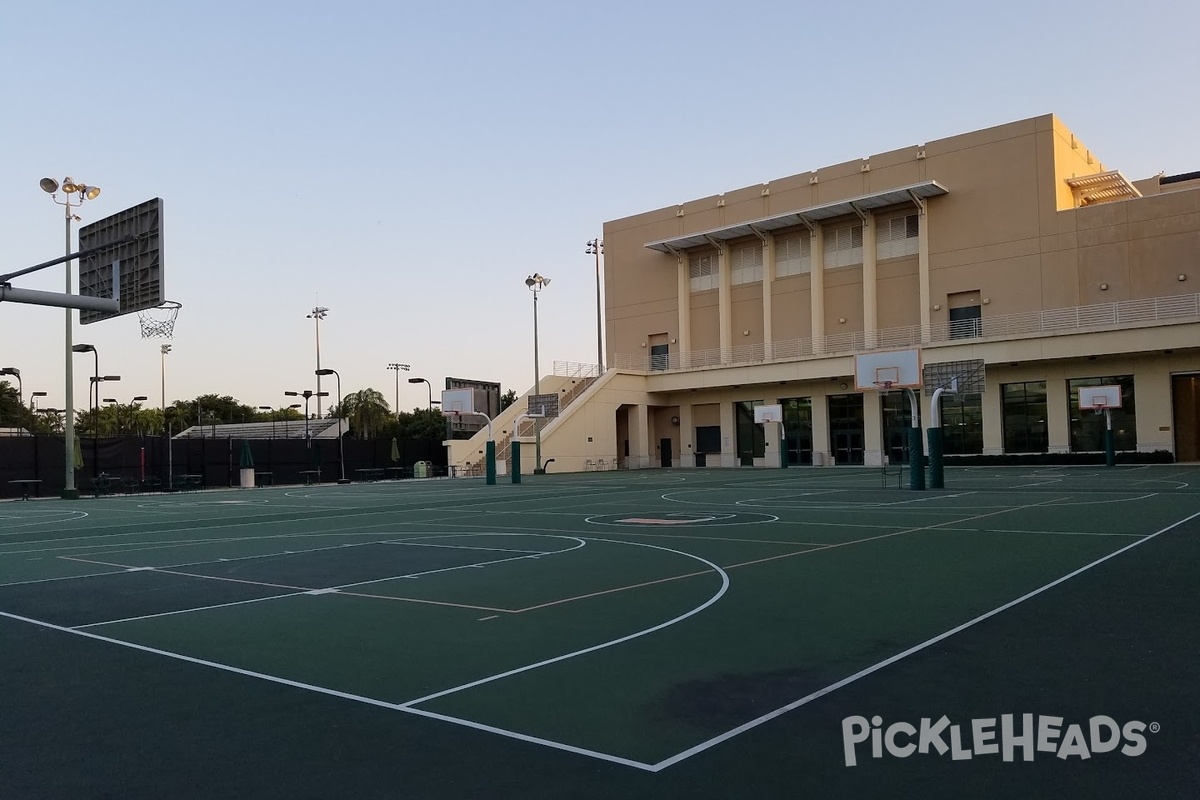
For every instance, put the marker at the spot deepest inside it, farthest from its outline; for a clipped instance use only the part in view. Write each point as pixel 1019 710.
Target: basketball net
pixel 884 386
pixel 159 322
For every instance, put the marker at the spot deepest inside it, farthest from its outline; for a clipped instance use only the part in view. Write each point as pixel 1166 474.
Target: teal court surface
pixel 659 634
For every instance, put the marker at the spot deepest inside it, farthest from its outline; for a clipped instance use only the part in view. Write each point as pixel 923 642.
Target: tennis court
pixel 673 633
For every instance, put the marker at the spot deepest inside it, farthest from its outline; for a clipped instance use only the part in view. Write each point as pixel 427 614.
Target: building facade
pixel 1014 246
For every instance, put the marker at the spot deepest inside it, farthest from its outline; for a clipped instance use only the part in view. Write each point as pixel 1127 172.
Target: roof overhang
pixel 1103 187
pixel 805 216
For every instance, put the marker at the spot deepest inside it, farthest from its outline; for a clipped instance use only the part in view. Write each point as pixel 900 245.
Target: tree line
pixel 366 411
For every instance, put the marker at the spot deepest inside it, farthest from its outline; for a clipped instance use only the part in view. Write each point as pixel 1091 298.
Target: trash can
pixel 420 470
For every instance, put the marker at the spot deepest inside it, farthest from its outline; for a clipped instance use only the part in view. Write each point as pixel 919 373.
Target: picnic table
pixel 370 473
pixel 25 483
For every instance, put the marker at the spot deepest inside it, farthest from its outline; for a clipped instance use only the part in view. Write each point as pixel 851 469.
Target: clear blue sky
pixel 409 165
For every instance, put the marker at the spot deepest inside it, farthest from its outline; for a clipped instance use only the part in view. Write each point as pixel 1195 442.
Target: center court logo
pixel 980 737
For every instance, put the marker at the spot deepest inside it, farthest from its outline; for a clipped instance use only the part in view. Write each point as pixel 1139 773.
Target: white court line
pixel 311 688
pixel 1041 533
pixel 720 593
pixel 65 578
pixel 754 723
pixel 189 610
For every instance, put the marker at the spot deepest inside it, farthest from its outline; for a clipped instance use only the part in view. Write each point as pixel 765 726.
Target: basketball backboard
pixel 461 401
pixel 129 267
pixel 894 369
pixel 961 377
pixel 1098 398
pixel 772 413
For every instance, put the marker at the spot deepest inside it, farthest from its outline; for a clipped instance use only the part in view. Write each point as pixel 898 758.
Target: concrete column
pixel 768 287
pixel 728 435
pixel 873 428
pixel 870 287
pixel 687 436
pixel 993 419
pixel 725 303
pixel 684 299
pixel 1058 417
pixel 820 424
pixel 923 273
pixel 817 295
pixel 639 437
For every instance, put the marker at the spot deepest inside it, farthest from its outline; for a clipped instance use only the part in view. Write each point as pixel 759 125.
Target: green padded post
pixel 490 456
pixel 516 462
pixel 1110 440
pixel 916 459
pixel 937 477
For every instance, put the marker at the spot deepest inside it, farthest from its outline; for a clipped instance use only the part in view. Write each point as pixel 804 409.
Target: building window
pixel 751 439
pixel 793 254
pixel 660 356
pixel 846 428
pixel 962 424
pixel 704 272
pixel 897 236
pixel 1024 409
pixel 966 322
pixel 746 264
pixel 797 429
pixel 843 246
pixel 896 418
pixel 1087 427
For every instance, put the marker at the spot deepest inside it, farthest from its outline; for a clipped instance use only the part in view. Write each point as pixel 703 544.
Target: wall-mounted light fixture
pixel 987 300
pixel 841 320
pixel 1182 277
pixel 1104 287
pixel 745 333
pixel 673 340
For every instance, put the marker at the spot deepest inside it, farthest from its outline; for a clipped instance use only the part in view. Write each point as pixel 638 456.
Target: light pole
pixel 132 410
pixel 272 410
pixel 162 365
pixel 285 419
pixel 536 283
pixel 396 368
pixel 83 192
pixel 596 247
pixel 16 373
pixel 341 415
pixel 316 315
pixel 306 394
pixel 427 383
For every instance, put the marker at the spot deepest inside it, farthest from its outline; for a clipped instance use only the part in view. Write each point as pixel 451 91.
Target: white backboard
pixel 899 368
pixel 1099 397
pixel 768 413
pixel 460 400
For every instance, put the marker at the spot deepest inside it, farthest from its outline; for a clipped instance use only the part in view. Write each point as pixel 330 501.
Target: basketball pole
pixel 916 452
pixel 937 473
pixel 1110 448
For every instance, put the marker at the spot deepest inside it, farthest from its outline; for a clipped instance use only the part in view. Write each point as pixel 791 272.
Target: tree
pixel 367 411
pixel 508 398
pixel 12 413
pixel 422 423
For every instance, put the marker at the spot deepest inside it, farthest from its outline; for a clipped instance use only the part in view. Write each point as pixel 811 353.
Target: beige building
pixel 1013 245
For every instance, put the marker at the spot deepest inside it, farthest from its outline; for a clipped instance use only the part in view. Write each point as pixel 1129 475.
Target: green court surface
pixel 656 634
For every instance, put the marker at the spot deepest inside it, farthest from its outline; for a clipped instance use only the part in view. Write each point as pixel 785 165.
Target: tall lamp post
pixel 397 368
pixel 341 415
pixel 162 367
pixel 307 394
pixel 596 247
pixel 427 383
pixel 81 192
pixel 272 410
pixel 316 315
pixel 536 283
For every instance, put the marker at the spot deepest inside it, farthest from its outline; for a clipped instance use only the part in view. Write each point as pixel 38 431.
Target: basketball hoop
pixel 159 322
pixel 884 386
pixel 1100 404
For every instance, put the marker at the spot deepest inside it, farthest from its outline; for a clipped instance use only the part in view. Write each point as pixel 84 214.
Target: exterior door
pixel 664 452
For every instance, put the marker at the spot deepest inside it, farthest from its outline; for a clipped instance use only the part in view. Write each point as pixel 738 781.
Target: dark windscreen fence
pixel 144 463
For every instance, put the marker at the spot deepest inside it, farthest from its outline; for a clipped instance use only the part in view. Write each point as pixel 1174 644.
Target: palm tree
pixel 367 411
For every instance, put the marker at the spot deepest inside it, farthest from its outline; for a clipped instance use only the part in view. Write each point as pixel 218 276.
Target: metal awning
pixel 806 216
pixel 1103 187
